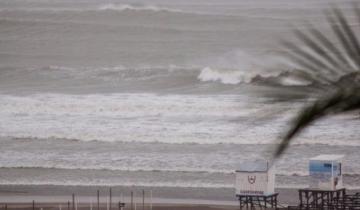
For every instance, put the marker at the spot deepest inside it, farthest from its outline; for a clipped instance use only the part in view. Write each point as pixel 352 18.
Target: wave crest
pixel 234 77
pixel 98 8
pixel 128 7
pixel 226 77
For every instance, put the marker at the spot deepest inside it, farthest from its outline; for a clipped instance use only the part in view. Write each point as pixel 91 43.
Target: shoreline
pixel 56 194
pixel 160 195
pixel 51 206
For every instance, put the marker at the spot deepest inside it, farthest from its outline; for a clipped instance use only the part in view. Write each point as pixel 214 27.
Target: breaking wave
pixel 127 169
pixel 234 77
pixel 128 7
pixel 111 183
pixel 102 7
pixel 193 74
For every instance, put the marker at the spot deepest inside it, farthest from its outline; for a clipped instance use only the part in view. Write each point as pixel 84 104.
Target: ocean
pixel 158 93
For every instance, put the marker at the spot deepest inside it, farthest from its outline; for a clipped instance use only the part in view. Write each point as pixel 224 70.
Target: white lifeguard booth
pixel 326 172
pixel 255 178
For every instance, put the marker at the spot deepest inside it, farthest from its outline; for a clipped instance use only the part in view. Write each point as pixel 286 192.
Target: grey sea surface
pixel 157 94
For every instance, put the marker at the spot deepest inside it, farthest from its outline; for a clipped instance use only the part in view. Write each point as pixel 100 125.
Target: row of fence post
pixel 109 204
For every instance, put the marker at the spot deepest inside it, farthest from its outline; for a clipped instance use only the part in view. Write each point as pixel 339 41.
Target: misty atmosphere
pixel 168 95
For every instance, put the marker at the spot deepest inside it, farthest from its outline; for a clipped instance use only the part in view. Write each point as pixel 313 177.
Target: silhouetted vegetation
pixel 332 63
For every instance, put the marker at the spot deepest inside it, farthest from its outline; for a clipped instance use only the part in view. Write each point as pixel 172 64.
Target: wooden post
pixel 68 205
pixel 307 199
pixel 143 199
pixel 110 200
pixel 151 201
pixel 121 201
pixel 240 204
pixel 300 199
pixel 33 205
pixel 132 201
pixel 266 200
pixel 107 204
pixel 73 201
pixel 5 206
pixel 98 199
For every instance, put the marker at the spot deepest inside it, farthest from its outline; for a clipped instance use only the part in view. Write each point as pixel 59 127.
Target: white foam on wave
pixel 234 77
pixel 125 105
pixel 113 73
pixel 42 165
pixel 103 182
pixel 125 117
pixel 244 67
pixel 128 7
pixel 232 74
pixel 226 77
pixel 100 8
pixel 202 119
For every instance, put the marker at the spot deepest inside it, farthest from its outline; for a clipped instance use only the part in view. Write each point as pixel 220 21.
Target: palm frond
pixel 338 59
pixel 308 63
pixel 335 66
pixel 354 43
pixel 329 62
pixel 337 23
pixel 320 57
pixel 341 101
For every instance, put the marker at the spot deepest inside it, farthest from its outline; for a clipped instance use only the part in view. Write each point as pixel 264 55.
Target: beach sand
pixel 50 197
pixel 175 198
pixel 155 207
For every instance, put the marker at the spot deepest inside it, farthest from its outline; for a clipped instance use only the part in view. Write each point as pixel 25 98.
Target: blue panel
pixel 320 167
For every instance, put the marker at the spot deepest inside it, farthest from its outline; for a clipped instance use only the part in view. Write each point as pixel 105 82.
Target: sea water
pixel 155 93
